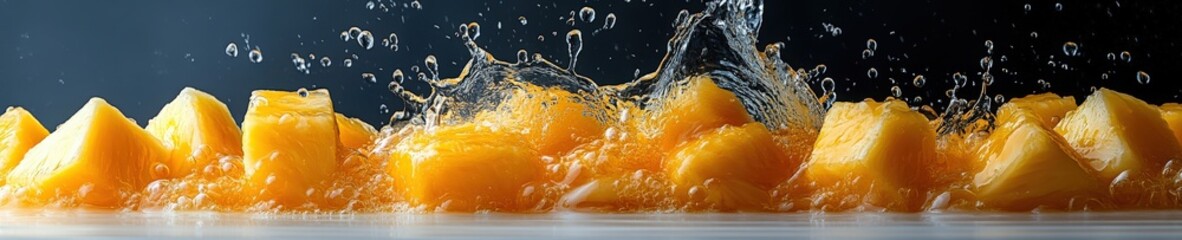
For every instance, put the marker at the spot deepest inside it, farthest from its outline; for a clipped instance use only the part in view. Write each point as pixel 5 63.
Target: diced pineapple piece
pixel 197 129
pixel 19 131
pixel 466 168
pixel 1032 166
pixel 355 133
pixel 1120 133
pixel 884 151
pixel 730 168
pixel 1172 113
pixel 700 107
pixel 96 155
pixel 1048 107
pixel 554 120
pixel 290 143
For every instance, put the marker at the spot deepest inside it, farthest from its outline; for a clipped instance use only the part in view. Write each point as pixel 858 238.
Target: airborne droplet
pixel 232 49
pixel 522 56
pixel 574 44
pixel 325 62
pixel 919 81
pixel 369 77
pixel 397 76
pixel 872 73
pixel 587 14
pixel 432 66
pixel 1071 49
pixel 867 53
pixel 393 40
pixel 1142 77
pixel 986 63
pixel 871 45
pixel 348 62
pixel 523 20
pixel 896 91
pixel 256 55
pixel 365 39
pixel 610 21
pixel 1126 56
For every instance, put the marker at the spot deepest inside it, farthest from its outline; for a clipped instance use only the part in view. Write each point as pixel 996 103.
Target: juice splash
pixel 718 126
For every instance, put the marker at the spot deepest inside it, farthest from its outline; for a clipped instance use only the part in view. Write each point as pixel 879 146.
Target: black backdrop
pixel 139 53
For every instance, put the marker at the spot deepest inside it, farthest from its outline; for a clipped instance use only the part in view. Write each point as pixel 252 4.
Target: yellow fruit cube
pixel 884 152
pixel 1048 107
pixel 1172 113
pixel 553 119
pixel 96 156
pixel 1032 166
pixel 700 107
pixel 197 129
pixel 1120 133
pixel 730 168
pixel 355 133
pixel 290 143
pixel 19 131
pixel 467 168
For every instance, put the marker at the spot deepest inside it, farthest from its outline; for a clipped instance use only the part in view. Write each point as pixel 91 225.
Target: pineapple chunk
pixel 197 129
pixel 466 168
pixel 702 106
pixel 1032 166
pixel 19 131
pixel 290 143
pixel 883 150
pixel 355 133
pixel 1120 133
pixel 1048 107
pixel 1172 113
pixel 97 154
pixel 730 168
pixel 552 119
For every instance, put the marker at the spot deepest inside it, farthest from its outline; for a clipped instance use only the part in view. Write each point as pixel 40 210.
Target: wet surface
pixel 89 224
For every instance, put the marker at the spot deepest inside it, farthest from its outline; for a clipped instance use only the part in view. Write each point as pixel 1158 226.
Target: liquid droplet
pixel 587 14
pixel 345 36
pixel 1026 7
pixel 416 5
pixel 574 44
pixel 473 30
pixel 867 53
pixel 1111 56
pixel 256 55
pixel 393 39
pixel 610 21
pixel 369 77
pixel 682 17
pixel 354 32
pixel 432 66
pixel 523 20
pixel 986 63
pixel 348 62
pixel 871 45
pixel 999 99
pixel 232 49
pixel 325 62
pixel 1126 56
pixel 919 81
pixel 989 46
pixel 397 76
pixel 369 5
pixel 1071 49
pixel 872 73
pixel 1059 7
pixel 1142 77
pixel 959 79
pixel 522 56
pixel 303 92
pixel 827 85
pixel 896 91
pixel 365 39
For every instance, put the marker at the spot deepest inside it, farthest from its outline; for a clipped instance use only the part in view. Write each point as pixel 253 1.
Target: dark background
pixel 138 54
